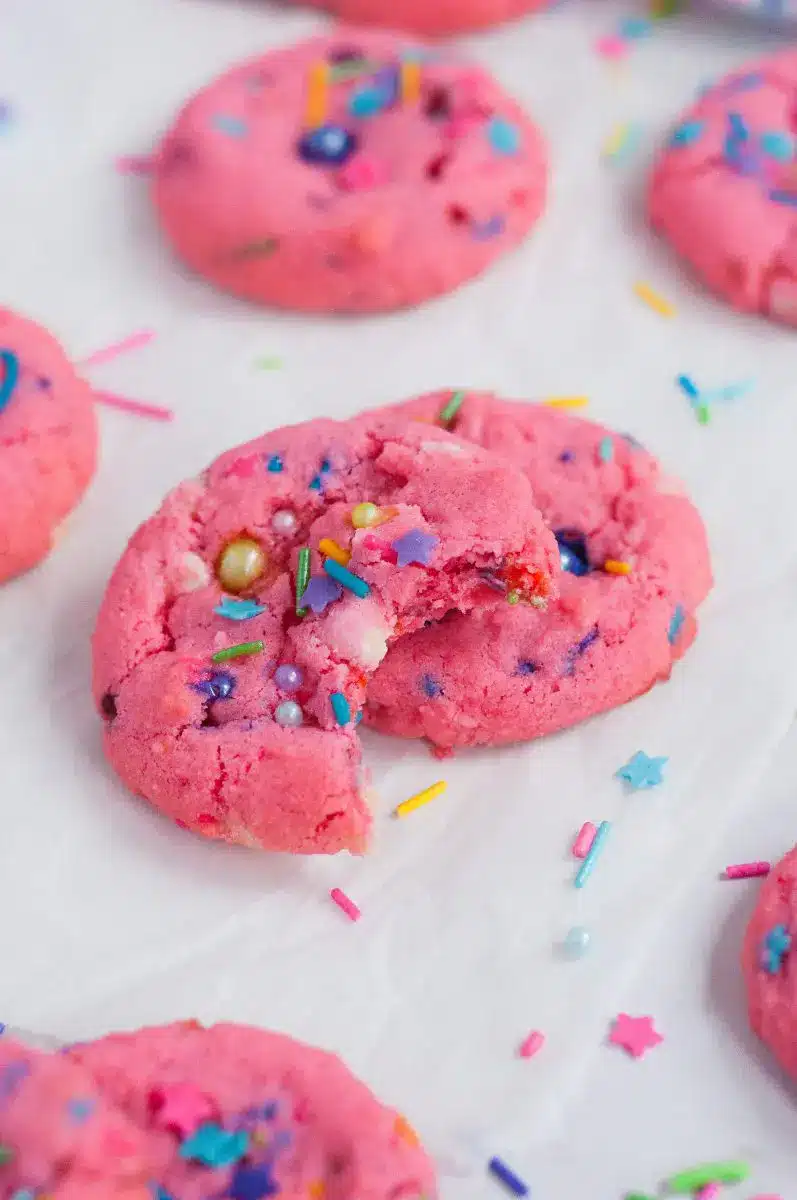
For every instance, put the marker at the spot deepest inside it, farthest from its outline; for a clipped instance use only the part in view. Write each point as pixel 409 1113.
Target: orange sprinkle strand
pixel 332 550
pixel 403 1130
pixel 613 567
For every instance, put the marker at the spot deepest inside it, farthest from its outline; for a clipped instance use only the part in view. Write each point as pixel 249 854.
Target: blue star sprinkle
pixel 415 547
pixel 320 591
pixel 676 623
pixel 777 945
pixel 275 464
pixel 641 771
pixel 12 1077
pixel 431 687
pixel 215 1147
pixel 238 610
pixel 159 1193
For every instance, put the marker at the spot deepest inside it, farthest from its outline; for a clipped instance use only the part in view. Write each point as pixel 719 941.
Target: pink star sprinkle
pixel 611 47
pixel 634 1034
pixel 181 1108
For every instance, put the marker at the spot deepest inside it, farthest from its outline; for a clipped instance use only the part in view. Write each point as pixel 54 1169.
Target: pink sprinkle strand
pixel 534 1042
pixel 345 904
pixel 710 1192
pixel 134 406
pixel 129 343
pixel 582 844
pixel 135 164
pixel 747 870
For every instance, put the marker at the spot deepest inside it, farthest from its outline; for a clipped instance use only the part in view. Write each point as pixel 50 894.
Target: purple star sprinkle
pixel 320 591
pixel 415 547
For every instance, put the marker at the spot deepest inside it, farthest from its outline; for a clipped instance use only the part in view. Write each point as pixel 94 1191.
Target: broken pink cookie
pixel 430 18
pixel 636 566
pixel 184 1113
pixel 48 441
pixel 769 962
pixel 724 190
pixel 244 620
pixel 353 173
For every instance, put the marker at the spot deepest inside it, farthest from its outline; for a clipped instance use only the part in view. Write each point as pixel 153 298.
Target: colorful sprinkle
pixel 606 449
pixel 567 401
pixel 269 362
pixel 340 708
pixel 676 623
pixel 288 678
pixel 611 46
pixel 451 408
pixel 431 687
pixel 633 29
pixel 242 650
pixel 584 839
pixel 586 868
pixel 284 522
pixel 641 771
pixel 777 945
pixel 125 404
pixel 133 342
pixel 10 376
pixel 346 578
pixel 319 593
pixel 220 685
pixel 238 610
pixel 364 515
pixel 503 136
pixel 240 563
pixel 576 942
pixel 710 1192
pixel 180 1108
pixel 687 134
pixel 6 1155
pixel 302 578
pixel 232 126
pixel 415 546
pixel 332 550
pixel 482 231
pixel 252 1182
pixel 345 904
pixel 79 1111
pixel 613 566
pixel 531 1044
pixel 410 81
pixel 507 1177
pixel 689 1181
pixel 289 714
pixel 622 142
pixel 214 1147
pixel 275 464
pixel 778 145
pixel 316 102
pixel 327 146
pixel 420 798
pixel 635 1035
pixel 572 551
pixel 750 870
pixel 654 300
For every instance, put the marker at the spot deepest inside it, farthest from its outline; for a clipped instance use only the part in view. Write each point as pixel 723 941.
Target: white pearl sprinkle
pixel 284 522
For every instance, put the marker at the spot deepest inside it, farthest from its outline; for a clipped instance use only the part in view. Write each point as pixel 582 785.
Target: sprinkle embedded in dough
pixel 194 572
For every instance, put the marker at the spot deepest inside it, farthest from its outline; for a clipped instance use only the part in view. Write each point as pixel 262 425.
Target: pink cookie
pixel 518 672
pixel 48 441
pixel 353 173
pixel 431 18
pixel 261 748
pixel 724 191
pixel 185 1113
pixel 769 962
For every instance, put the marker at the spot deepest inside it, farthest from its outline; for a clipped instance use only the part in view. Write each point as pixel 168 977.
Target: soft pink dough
pixel 48 444
pixel 430 18
pixel 225 768
pixel 518 672
pixel 108 1120
pixel 711 192
pixel 424 204
pixel 772 997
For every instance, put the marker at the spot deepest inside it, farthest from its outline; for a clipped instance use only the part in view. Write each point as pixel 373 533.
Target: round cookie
pixel 769 963
pixel 352 173
pixel 183 1113
pixel 48 441
pixel 519 672
pixel 724 189
pixel 430 18
pixel 259 746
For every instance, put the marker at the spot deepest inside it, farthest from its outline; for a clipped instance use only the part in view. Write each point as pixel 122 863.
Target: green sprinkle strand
pixel 239 651
pixel 6 1155
pixel 450 410
pixel 698 1177
pixel 343 72
pixel 703 414
pixel 268 363
pixel 259 249
pixel 302 578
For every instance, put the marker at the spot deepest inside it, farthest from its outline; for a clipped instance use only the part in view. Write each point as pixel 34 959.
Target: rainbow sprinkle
pixel 420 798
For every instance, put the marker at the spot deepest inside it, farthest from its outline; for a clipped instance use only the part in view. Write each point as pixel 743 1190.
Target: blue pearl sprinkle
pixel 572 551
pixel 218 687
pixel 328 145
pixel 577 941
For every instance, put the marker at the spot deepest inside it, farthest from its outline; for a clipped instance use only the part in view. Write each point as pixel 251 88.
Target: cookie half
pixel 352 173
pixel 430 18
pixel 48 441
pixel 769 963
pixel 635 567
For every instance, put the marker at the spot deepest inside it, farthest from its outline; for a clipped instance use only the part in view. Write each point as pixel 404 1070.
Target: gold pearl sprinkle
pixel 240 563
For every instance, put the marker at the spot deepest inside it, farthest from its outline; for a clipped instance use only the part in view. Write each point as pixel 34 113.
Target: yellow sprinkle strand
pixel 653 300
pixel 418 801
pixel 332 550
pixel 316 107
pixel 567 401
pixel 613 566
pixel 614 141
